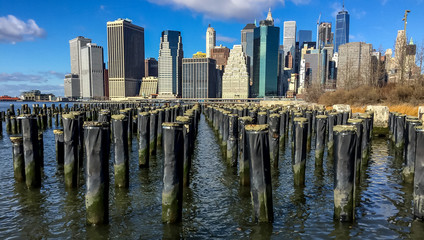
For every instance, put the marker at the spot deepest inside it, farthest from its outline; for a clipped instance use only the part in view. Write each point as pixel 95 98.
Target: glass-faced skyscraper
pixel 342 29
pixel 170 63
pixel 265 57
pixel 247 45
pixel 304 36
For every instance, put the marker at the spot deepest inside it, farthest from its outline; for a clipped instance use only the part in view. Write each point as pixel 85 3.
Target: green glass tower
pixel 265 58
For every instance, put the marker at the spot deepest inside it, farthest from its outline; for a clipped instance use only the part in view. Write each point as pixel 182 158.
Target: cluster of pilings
pixel 407 136
pixel 258 133
pixel 89 131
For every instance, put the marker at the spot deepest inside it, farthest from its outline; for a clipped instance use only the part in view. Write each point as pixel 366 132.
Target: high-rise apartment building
pixel 210 40
pixel 150 67
pixel 342 29
pixel 247 36
pixel 199 78
pixel 235 80
pixel 125 43
pixel 75 46
pixel 304 36
pixel 325 36
pixel 265 58
pixel 92 71
pixel 149 86
pixel 170 64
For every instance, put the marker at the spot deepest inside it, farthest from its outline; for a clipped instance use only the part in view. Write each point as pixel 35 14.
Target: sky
pixel 34 35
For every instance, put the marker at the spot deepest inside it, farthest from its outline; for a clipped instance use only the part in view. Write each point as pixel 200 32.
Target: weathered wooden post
pixel 120 139
pixel 70 138
pixel 172 198
pixel 31 154
pixel 257 150
pixel 321 125
pixel 344 172
pixel 300 145
pixel 143 144
pixel 232 141
pixel 59 143
pixel 274 137
pixel 18 158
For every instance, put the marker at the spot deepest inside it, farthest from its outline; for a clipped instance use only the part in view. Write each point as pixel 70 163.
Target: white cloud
pixel 227 9
pixel 17 89
pixel 225 39
pixel 40 77
pixel 337 7
pixel 383 2
pixel 358 13
pixel 14 30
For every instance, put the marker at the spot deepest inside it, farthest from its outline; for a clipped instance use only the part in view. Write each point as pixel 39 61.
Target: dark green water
pixel 215 206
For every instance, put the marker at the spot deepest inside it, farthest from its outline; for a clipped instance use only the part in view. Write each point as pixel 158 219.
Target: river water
pixel 215 206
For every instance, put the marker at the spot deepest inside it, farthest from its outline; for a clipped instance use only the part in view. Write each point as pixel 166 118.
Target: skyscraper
pixel 342 29
pixel 210 40
pixel 72 86
pixel 354 66
pixel 220 54
pixel 247 35
pixel 150 67
pixel 125 42
pixel 75 46
pixel 304 36
pixel 170 63
pixel 265 58
pixel 289 40
pixel 325 36
pixel 92 71
pixel 199 78
pixel 235 81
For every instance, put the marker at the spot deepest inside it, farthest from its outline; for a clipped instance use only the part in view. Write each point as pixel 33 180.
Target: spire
pixel 411 42
pixel 343 5
pixel 269 16
pixel 209 25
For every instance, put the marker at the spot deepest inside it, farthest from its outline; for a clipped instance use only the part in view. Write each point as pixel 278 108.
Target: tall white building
pixel 289 40
pixel 75 46
pixel 72 86
pixel 170 64
pixel 92 71
pixel 125 43
pixel 210 40
pixel 235 81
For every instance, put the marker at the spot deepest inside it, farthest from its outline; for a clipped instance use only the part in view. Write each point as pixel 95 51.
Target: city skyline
pixel 38 57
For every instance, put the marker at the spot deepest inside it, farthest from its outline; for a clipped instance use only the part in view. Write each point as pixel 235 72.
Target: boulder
pixel 381 115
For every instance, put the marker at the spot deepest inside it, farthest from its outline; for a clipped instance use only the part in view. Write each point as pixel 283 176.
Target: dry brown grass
pixel 358 109
pixel 404 109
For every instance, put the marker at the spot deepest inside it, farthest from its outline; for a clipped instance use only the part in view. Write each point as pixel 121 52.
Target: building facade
pixel 170 64
pixel 72 86
pixel 150 67
pixel 325 36
pixel 289 40
pixel 75 46
pixel 210 40
pixel 149 86
pixel 220 54
pixel 92 72
pixel 235 80
pixel 354 65
pixel 304 36
pixel 125 43
pixel 265 59
pixel 247 36
pixel 199 78
pixel 342 29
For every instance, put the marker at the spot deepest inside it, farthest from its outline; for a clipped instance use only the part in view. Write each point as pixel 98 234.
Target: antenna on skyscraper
pixel 343 5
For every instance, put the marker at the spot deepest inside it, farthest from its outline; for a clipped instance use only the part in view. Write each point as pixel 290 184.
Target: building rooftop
pixel 249 26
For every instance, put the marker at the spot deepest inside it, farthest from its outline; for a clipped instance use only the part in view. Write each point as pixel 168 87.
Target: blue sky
pixel 34 48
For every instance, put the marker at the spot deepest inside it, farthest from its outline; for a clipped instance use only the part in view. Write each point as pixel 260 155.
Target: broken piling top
pixel 262 113
pixel 355 120
pixel 58 131
pixel 411 118
pixel 118 117
pixel 144 114
pixel 22 116
pixel 419 128
pixel 90 125
pixel 344 129
pixel 169 125
pixel 183 119
pixel 274 115
pixel 321 117
pixel 246 120
pixel 68 115
pixel 256 127
pixel 300 120
pixel 16 138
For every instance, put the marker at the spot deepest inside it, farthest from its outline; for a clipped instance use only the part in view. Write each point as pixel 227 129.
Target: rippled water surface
pixel 215 206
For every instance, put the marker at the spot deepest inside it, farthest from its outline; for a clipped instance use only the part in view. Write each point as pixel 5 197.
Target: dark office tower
pixel 247 45
pixel 199 78
pixel 125 43
pixel 265 58
pixel 304 36
pixel 170 62
pixel 151 67
pixel 325 35
pixel 342 29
